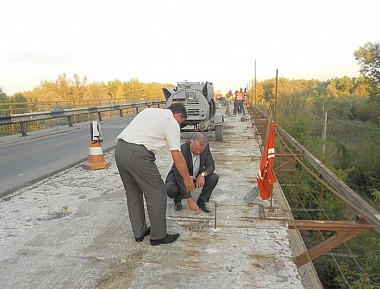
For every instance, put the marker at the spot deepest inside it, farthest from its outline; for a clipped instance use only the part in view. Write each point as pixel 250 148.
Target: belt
pixel 138 146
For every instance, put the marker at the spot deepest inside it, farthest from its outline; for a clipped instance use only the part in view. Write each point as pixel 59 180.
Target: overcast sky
pixel 174 40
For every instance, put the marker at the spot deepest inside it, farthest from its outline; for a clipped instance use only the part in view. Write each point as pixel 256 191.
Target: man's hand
pixel 200 181
pixel 180 163
pixel 189 184
pixel 193 205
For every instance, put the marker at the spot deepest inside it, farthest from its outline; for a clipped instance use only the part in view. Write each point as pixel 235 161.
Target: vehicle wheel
pixel 219 132
pixel 213 107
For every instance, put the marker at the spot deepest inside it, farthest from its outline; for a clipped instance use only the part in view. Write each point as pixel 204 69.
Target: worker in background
pixel 240 98
pixel 228 99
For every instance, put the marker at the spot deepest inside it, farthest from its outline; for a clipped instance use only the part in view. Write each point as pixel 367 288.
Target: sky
pixel 166 41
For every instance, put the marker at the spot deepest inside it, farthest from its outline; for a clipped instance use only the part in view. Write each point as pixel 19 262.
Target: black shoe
pixel 201 204
pixel 147 232
pixel 167 240
pixel 177 206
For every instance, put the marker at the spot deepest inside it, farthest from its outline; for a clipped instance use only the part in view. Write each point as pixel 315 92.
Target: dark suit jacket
pixel 206 165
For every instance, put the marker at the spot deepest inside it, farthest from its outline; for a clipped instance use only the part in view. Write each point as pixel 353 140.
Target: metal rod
pixel 275 98
pixel 255 85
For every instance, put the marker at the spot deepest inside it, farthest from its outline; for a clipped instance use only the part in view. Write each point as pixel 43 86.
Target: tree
pixel 79 88
pixel 116 90
pixel 3 97
pixel 269 89
pixel 342 86
pixel 97 91
pixel 368 57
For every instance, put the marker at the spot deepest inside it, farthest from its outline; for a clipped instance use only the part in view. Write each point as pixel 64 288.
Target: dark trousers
pixel 177 191
pixel 241 107
pixel 142 179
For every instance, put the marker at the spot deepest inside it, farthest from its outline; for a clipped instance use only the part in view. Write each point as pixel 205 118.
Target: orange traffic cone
pixel 96 159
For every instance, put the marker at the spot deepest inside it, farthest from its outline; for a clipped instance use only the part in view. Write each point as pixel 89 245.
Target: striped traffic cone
pixel 96 159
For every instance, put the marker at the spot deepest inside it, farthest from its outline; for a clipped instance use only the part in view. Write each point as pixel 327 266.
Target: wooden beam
pixel 283 165
pixel 288 155
pixel 326 246
pixel 345 232
pixel 327 225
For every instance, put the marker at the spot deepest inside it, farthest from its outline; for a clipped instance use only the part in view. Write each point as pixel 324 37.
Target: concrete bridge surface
pixel 71 230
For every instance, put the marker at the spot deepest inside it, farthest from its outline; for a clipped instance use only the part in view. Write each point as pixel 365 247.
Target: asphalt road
pixel 25 160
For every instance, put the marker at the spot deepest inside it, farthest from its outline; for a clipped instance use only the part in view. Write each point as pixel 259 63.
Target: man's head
pixel 179 112
pixel 198 143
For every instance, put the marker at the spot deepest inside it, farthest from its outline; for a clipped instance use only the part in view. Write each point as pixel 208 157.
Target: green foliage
pixel 376 195
pixel 342 108
pixel 368 57
pixel 15 104
pixel 366 110
pixel 367 276
pixel 327 272
pixel 19 97
pixel 352 152
pixel 296 124
pixel 269 89
pixel 4 97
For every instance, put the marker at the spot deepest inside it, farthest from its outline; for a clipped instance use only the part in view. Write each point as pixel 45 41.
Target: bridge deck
pixel 71 230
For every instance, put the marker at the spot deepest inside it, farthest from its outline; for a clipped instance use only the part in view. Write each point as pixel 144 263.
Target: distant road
pixel 25 160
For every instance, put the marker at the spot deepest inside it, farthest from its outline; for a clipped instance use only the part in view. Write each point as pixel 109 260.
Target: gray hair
pixel 199 137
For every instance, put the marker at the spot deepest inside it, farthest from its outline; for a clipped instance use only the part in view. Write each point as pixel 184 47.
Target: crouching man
pixel 200 165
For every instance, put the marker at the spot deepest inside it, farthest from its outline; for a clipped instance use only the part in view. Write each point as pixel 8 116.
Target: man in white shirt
pixel 150 131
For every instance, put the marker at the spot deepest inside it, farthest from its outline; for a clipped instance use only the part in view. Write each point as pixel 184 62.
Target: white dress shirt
pixel 154 128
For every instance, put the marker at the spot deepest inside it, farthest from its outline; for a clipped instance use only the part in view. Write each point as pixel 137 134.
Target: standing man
pixel 149 132
pixel 228 99
pixel 235 102
pixel 240 98
pixel 200 165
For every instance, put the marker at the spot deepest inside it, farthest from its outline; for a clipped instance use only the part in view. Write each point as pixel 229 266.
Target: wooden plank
pixel 327 225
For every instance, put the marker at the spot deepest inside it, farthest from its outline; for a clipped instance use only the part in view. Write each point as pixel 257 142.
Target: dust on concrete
pixel 72 231
pixel 120 274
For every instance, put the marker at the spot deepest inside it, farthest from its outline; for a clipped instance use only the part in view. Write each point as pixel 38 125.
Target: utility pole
pixel 255 83
pixel 275 97
pixel 324 131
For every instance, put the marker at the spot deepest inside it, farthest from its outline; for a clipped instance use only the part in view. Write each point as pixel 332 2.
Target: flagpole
pixel 266 176
pixel 255 85
pixel 275 97
pixel 274 119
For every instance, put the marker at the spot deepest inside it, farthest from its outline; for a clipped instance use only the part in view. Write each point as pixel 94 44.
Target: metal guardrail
pixel 24 118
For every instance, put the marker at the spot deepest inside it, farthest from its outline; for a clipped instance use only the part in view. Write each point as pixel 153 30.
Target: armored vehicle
pixel 198 98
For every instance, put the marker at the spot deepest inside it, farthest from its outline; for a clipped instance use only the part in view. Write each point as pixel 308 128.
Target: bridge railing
pixel 25 118
pixel 338 187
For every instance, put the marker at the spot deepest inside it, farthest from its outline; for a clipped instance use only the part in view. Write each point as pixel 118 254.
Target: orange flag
pixel 266 176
